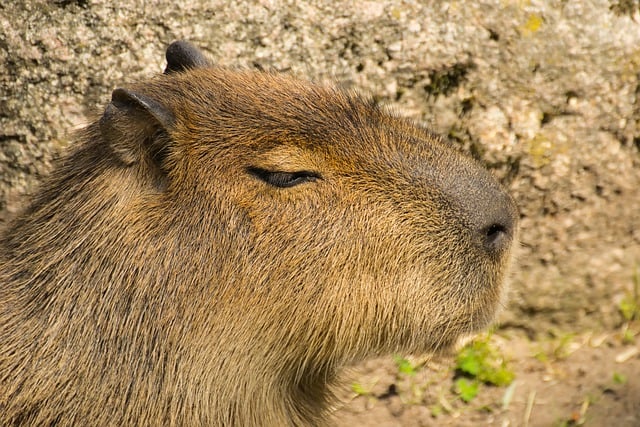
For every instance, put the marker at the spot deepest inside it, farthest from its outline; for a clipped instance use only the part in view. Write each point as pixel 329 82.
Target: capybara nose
pixel 497 235
pixel 486 210
pixel 497 223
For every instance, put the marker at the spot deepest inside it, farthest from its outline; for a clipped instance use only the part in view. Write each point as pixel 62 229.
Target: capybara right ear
pixel 130 126
pixel 182 55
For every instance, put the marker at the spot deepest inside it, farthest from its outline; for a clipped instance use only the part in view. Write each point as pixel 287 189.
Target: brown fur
pixel 155 280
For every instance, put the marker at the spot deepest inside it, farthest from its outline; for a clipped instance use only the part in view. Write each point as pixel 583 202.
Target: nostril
pixel 495 236
pixel 490 214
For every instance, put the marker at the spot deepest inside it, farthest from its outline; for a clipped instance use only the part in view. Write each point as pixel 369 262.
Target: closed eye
pixel 282 179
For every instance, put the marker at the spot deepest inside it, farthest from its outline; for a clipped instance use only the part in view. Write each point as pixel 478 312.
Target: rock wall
pixel 546 93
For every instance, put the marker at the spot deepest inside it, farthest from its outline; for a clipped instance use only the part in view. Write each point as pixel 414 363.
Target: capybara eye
pixel 283 179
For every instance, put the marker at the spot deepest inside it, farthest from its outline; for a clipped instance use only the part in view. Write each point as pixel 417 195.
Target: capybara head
pixel 222 242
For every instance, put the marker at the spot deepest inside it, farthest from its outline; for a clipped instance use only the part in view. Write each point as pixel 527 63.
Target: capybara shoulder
pixel 221 242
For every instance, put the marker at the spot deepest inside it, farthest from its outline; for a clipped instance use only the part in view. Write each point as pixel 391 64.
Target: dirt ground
pixel 568 380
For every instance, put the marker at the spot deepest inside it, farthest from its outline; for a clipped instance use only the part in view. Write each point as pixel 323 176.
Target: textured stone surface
pixel 545 92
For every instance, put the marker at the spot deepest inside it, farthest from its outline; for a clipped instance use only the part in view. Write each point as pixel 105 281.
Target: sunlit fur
pixel 154 281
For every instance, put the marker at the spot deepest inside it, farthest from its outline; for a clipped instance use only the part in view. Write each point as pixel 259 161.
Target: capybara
pixel 220 243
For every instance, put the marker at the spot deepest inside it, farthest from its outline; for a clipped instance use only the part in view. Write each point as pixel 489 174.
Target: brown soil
pixel 589 380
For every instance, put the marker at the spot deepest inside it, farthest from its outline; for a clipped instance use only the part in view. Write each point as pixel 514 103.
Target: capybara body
pixel 221 242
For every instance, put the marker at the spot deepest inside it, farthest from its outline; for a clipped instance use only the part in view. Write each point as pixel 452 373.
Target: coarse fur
pixel 164 275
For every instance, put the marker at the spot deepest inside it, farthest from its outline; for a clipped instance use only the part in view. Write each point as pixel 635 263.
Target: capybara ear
pixel 130 126
pixel 182 55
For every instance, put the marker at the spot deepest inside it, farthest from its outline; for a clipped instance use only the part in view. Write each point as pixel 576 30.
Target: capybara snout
pixel 220 243
pixel 486 207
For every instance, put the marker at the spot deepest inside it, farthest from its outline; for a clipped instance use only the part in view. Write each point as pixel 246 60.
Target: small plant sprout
pixel 405 367
pixel 629 306
pixel 467 388
pixel 480 363
pixel 619 378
